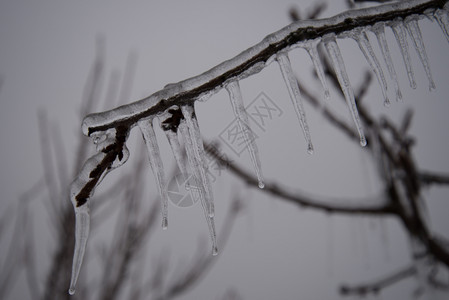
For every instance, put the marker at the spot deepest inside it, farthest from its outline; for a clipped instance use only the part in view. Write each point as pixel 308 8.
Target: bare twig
pixel 430 177
pixel 356 206
pixel 376 286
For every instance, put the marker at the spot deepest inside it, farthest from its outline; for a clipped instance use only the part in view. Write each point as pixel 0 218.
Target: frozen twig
pixel 251 61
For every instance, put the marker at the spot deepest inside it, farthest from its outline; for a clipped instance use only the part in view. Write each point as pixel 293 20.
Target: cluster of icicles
pixel 185 126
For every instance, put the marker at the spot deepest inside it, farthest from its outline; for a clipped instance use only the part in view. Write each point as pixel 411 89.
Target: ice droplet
pixel 442 17
pixel 359 35
pixel 146 127
pixel 295 94
pixel 311 48
pixel 401 37
pixel 261 185
pixel 413 28
pixel 235 95
pixel 198 150
pixel 363 142
pixel 164 223
pixel 337 62
pixel 71 291
pixel 379 31
pixel 310 149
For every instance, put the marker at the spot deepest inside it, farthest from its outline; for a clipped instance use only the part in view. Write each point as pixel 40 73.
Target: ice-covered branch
pixel 253 60
pixel 174 107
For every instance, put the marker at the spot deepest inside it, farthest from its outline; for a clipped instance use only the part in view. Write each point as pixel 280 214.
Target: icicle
pixel 340 70
pixel 171 131
pixel 359 35
pixel 240 113
pixel 413 28
pixel 146 127
pixel 401 37
pixel 295 96
pixel 197 142
pixel 194 163
pixel 313 53
pixel 379 31
pixel 442 17
pixel 82 224
pixel 176 149
pixel 196 166
pixel 90 175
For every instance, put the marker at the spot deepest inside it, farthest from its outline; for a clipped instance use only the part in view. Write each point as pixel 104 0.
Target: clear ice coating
pixel 401 37
pixel 359 35
pixel 311 48
pixel 82 225
pixel 197 166
pixel 442 17
pixel 413 28
pixel 81 206
pixel 339 67
pixel 146 127
pixel 295 96
pixel 176 149
pixel 379 31
pixel 200 154
pixel 235 95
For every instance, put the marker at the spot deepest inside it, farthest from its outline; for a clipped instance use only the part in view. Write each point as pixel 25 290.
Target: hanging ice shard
pixel 379 31
pixel 198 147
pixel 359 35
pixel 413 28
pixel 146 127
pixel 235 95
pixel 401 37
pixel 110 155
pixel 176 149
pixel 295 96
pixel 311 48
pixel 197 189
pixel 193 185
pixel 337 61
pixel 82 227
pixel 442 17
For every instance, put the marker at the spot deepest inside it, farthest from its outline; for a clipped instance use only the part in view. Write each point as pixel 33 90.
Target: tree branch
pixel 356 206
pixel 376 286
pixel 430 177
pixel 250 61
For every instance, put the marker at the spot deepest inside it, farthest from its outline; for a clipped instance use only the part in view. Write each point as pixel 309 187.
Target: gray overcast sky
pixel 276 251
